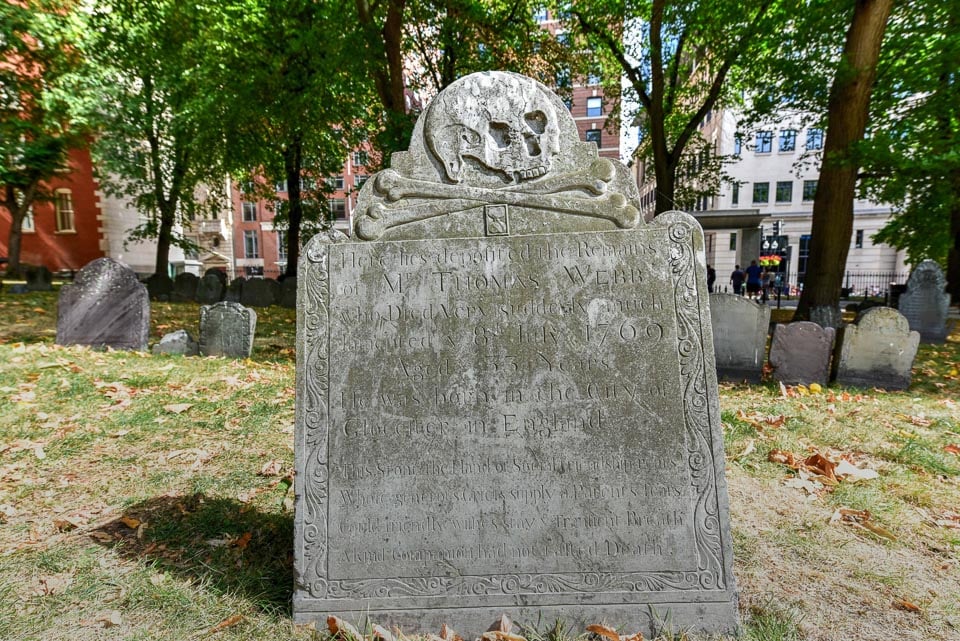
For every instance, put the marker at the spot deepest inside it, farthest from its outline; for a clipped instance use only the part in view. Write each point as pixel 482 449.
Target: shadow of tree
pixel 223 544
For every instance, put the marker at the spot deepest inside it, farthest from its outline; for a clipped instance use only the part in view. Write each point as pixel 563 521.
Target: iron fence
pixel 871 284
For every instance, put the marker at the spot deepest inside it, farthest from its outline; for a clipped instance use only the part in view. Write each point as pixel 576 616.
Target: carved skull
pixel 504 122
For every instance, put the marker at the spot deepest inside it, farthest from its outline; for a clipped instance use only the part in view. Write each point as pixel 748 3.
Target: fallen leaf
pixel 604 631
pixel 271 468
pixel 110 619
pixel 815 388
pixel 336 625
pixel 68 523
pixel 849 472
pixel 178 408
pixel 54 584
pixel 243 540
pixel 447 634
pixel 952 448
pixel 497 635
pixel 862 519
pixel 503 624
pixel 229 622
pixel 130 522
pixel 382 634
pixel 903 604
pixel 750 447
pixel 783 457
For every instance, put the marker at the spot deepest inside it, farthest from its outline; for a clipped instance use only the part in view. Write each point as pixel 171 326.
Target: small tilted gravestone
pixel 740 329
pixel 506 392
pixel 877 351
pixel 160 287
pixel 260 292
pixel 184 288
pixel 210 289
pixel 105 306
pixel 227 329
pixel 178 343
pixel 800 352
pixel 926 302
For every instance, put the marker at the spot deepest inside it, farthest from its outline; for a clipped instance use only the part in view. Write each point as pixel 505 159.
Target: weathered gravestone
pixel 210 289
pixel 740 329
pixel 800 352
pixel 234 290
pixel 179 343
pixel 39 278
pixel 184 288
pixel 160 287
pixel 506 395
pixel 926 302
pixel 877 351
pixel 105 306
pixel 227 329
pixel 260 292
pixel 288 292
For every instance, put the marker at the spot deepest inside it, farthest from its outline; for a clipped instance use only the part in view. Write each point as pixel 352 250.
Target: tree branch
pixel 615 47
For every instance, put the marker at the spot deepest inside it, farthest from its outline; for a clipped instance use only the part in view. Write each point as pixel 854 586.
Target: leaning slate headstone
pixel 210 289
pixel 39 278
pixel 227 329
pixel 288 292
pixel 740 329
pixel 160 287
pixel 105 306
pixel 506 393
pixel 260 292
pixel 926 302
pixel 184 288
pixel 800 352
pixel 877 351
pixel 179 343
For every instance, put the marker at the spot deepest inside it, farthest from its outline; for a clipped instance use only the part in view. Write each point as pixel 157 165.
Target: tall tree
pixel 677 58
pixel 160 141
pixel 847 115
pixel 38 121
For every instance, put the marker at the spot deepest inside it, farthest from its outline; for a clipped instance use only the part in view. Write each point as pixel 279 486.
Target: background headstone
pixel 179 343
pixel 800 352
pixel 288 292
pixel 227 329
pixel 925 303
pixel 260 292
pixel 105 306
pixel 235 290
pixel 496 415
pixel 159 286
pixel 39 278
pixel 740 329
pixel 210 289
pixel 877 351
pixel 184 288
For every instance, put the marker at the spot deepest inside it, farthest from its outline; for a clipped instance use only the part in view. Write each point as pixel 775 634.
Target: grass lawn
pixel 148 497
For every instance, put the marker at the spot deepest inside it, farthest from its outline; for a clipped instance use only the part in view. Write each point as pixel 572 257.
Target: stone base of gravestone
pixel 876 351
pixel 39 278
pixel 234 291
pixel 160 287
pixel 288 293
pixel 178 343
pixel 105 306
pixel 184 288
pixel 800 353
pixel 926 303
pixel 227 329
pixel 260 292
pixel 740 328
pixel 210 289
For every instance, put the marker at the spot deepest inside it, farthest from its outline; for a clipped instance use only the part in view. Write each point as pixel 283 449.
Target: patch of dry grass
pixel 149 497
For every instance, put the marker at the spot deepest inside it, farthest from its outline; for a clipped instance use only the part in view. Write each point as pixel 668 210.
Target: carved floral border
pixel 312 424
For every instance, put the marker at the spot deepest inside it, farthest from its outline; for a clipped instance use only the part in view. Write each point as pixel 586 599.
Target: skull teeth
pixel 536 172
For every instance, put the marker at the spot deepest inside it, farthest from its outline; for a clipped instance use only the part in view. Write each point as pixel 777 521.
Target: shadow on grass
pixel 221 544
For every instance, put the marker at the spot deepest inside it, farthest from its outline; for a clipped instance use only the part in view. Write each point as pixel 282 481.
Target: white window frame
pixel 251 234
pixel 29 225
pixel 65 217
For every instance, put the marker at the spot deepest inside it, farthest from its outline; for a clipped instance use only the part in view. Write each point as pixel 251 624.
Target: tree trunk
pixel 953 257
pixel 18 211
pixel 293 164
pixel 847 114
pixel 164 236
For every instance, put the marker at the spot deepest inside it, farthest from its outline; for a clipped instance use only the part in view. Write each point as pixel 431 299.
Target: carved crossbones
pixel 561 193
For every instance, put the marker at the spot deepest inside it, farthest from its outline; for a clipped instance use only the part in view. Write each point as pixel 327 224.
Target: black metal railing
pixel 870 284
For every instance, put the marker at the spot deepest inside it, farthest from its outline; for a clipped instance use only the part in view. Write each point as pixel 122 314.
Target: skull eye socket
pixel 500 133
pixel 537 121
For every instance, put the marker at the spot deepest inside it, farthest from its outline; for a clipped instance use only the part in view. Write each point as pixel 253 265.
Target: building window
pixel 595 106
pixel 814 139
pixel 338 208
pixel 809 190
pixel 737 144
pixel 733 241
pixel 306 183
pixel 803 255
pixel 359 180
pixel 27 226
pixel 593 135
pixel 249 212
pixel 562 78
pixel 593 78
pixel 64 205
pixel 540 14
pixel 761 192
pixel 859 241
pixel 735 198
pixel 764 142
pixel 788 139
pixel 282 247
pixel 280 185
pixel 247 187
pixel 360 158
pixel 251 244
pixel 784 191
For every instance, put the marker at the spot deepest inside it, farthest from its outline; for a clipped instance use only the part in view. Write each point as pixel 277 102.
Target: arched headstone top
pixel 489 147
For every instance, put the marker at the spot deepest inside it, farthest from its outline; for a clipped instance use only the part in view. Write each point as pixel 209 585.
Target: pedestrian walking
pixel 736 280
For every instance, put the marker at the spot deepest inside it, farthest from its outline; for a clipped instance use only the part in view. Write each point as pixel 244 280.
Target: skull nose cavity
pixel 533 147
pixel 537 121
pixel 500 133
